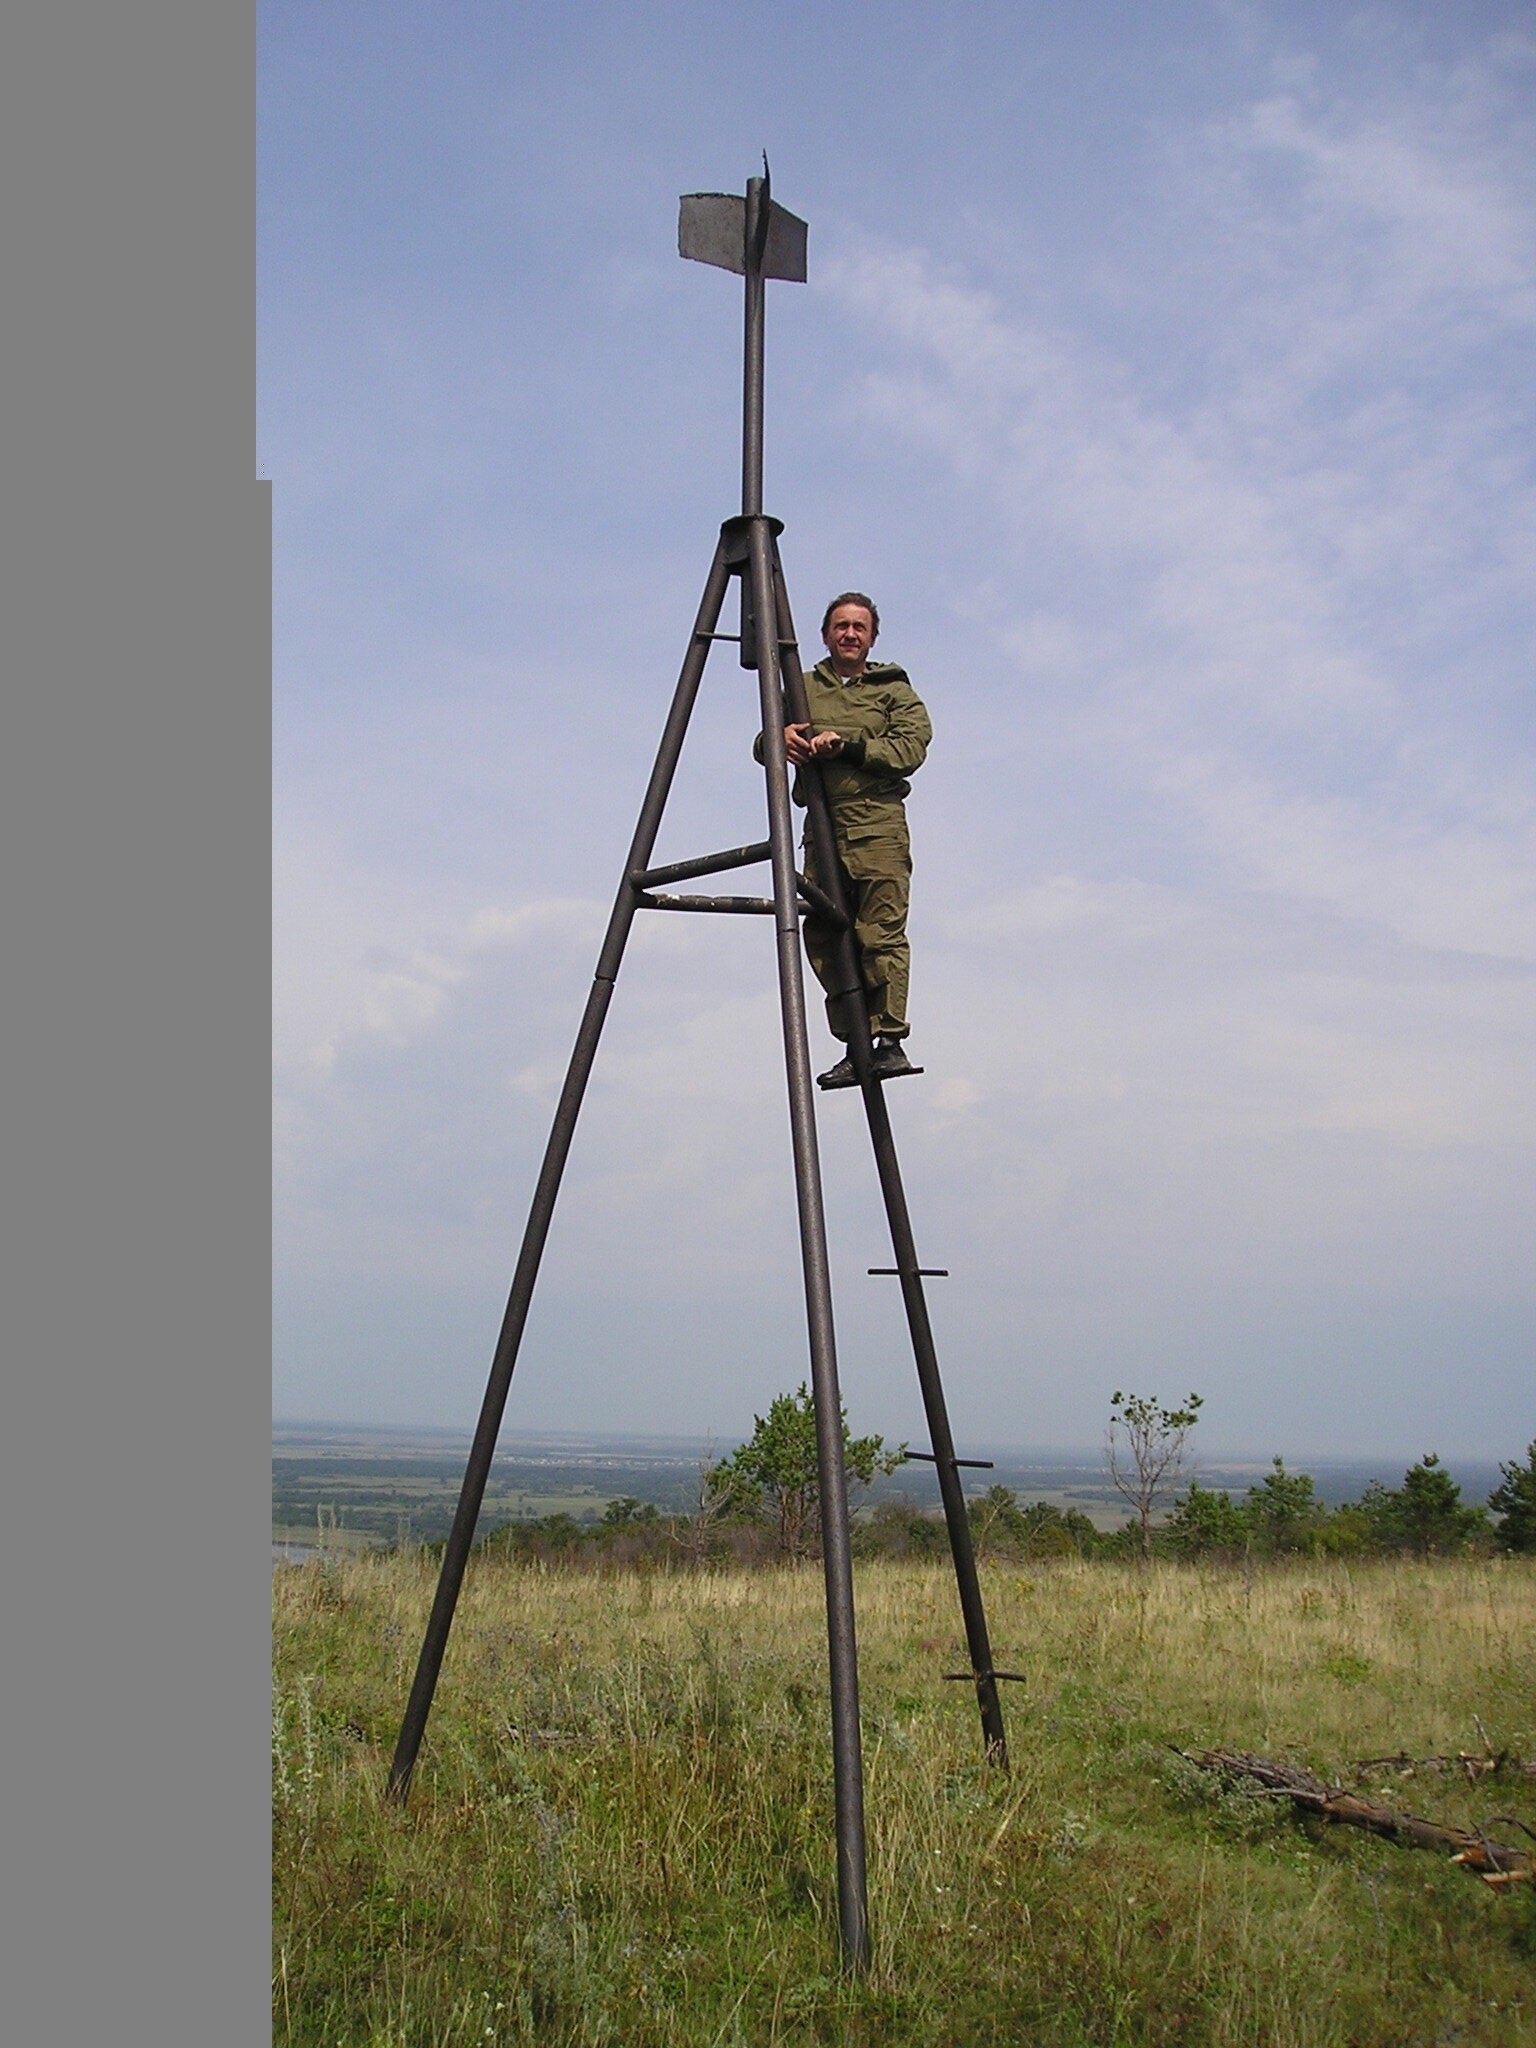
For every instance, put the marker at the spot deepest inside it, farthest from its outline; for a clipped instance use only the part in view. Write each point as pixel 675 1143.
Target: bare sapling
pixel 1144 1448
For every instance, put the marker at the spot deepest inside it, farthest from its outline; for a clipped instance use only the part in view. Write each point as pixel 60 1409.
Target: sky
pixel 1166 374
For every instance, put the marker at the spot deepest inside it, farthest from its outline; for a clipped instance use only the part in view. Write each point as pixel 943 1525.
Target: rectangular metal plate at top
pixel 712 228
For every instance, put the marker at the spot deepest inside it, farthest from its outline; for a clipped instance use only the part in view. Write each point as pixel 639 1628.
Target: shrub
pixel 1207 1523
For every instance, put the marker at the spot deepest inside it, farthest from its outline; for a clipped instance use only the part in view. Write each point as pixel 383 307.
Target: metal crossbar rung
pixel 704 864
pixel 976 1464
pixel 824 908
pixel 719 636
pixel 894 1272
pixel 743 906
pixel 975 1677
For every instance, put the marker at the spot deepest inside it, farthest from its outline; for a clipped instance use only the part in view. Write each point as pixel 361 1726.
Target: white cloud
pixel 1322 605
pixel 1423 180
pixel 350 957
pixel 1219 535
pixel 1428 860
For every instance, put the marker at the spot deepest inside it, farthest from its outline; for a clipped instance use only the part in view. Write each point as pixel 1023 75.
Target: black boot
pixel 840 1076
pixel 891 1061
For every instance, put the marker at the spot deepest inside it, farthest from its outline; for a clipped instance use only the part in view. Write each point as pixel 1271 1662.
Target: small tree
pixel 1431 1511
pixel 1283 1510
pixel 1050 1531
pixel 1424 1515
pixel 1144 1446
pixel 1347 1532
pixel 1377 1509
pixel 1207 1523
pixel 1000 1527
pixel 775 1470
pixel 627 1513
pixel 997 1521
pixel 1514 1501
pixel 708 1502
pixel 896 1528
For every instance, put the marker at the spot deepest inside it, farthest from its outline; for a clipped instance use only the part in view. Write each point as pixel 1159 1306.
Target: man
pixel 868 732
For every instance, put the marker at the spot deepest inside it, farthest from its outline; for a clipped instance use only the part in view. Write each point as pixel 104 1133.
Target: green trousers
pixel 875 855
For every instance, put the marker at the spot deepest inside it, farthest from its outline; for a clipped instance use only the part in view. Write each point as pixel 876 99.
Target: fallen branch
pixel 1463 1764
pixel 1496 1864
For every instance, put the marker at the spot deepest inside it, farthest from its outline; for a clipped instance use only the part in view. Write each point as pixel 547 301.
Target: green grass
pixel 621 1826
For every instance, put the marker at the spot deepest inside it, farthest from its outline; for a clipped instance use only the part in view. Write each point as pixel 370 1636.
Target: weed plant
pixel 620 1830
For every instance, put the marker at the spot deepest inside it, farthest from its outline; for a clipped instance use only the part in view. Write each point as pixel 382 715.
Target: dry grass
pixel 621 1825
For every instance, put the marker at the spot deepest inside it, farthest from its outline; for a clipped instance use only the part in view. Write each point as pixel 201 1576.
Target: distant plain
pixel 376 1485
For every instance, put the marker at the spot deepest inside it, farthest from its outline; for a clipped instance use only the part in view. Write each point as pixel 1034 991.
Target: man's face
pixel 850 635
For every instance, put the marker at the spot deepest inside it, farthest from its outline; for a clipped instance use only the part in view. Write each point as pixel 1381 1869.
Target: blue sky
pixel 1166 374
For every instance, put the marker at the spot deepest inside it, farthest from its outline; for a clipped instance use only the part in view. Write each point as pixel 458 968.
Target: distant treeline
pixel 1280 1516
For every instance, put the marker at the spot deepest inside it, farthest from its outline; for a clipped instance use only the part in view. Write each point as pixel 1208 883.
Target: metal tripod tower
pixel 757 239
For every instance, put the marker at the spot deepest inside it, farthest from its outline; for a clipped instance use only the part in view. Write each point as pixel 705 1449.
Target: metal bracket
pixel 736 538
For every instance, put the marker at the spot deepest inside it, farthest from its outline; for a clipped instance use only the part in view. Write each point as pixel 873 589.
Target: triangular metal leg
pixel 483 1447
pixel 746 549
pixel 836 1550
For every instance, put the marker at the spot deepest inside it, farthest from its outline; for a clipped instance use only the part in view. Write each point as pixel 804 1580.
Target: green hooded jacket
pixel 881 719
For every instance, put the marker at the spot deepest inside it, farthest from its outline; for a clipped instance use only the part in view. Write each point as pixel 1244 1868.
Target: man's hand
pixel 802 745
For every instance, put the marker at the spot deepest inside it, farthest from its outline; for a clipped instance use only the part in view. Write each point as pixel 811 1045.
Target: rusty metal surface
pixel 739 906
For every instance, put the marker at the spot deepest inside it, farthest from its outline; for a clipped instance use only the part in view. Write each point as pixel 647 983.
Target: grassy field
pixel 621 1826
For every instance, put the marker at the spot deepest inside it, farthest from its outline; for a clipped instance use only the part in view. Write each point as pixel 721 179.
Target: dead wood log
pixel 1495 1863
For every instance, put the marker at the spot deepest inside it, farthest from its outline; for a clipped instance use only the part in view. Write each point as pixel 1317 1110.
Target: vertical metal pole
pixel 837 1562
pixel 752 356
pixel 925 1355
pixel 483 1448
